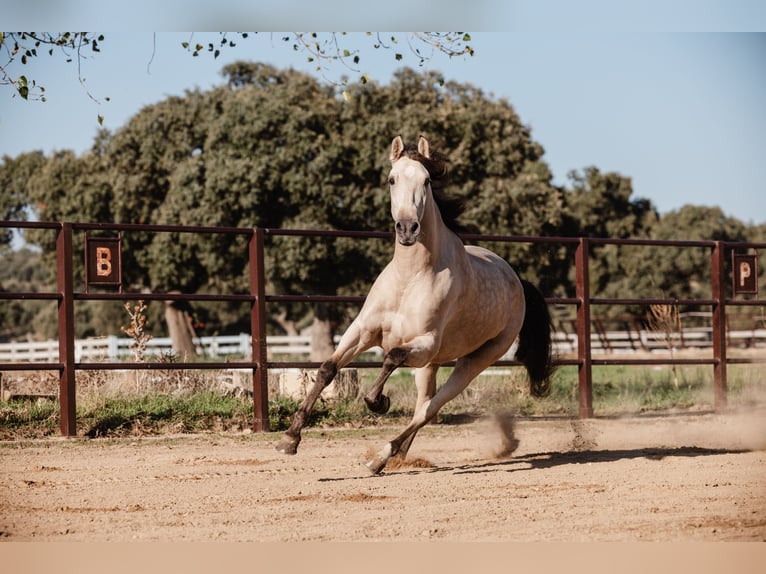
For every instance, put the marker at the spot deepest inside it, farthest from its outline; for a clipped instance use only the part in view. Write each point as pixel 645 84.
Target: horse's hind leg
pixel 465 371
pixel 425 381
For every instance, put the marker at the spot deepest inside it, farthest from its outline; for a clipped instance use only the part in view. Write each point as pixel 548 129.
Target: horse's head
pixel 410 190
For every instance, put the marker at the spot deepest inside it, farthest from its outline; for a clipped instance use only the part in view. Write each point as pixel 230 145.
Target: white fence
pixel 113 348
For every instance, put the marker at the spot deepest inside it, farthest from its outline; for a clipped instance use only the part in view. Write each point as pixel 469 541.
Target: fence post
pixel 65 283
pixel 585 375
pixel 719 325
pixel 258 333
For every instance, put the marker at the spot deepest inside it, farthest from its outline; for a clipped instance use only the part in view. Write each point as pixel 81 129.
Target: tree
pixel 14 175
pixel 685 272
pixel 602 205
pixel 278 149
pixel 22 271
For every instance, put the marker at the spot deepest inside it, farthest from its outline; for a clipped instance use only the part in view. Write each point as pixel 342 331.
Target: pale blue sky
pixel 682 114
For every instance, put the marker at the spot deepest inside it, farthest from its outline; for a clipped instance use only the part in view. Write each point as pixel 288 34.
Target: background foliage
pixel 278 148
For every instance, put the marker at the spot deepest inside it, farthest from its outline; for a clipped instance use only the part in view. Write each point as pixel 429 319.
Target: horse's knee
pixel 327 372
pixel 395 357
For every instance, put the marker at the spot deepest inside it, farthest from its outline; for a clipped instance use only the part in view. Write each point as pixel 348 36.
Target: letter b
pixel 103 261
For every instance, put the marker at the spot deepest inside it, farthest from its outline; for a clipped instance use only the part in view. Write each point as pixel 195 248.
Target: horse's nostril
pixel 398 225
pixel 415 227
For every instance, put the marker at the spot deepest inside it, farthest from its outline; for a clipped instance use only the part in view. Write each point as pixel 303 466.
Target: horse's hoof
pixel 376 465
pixel 379 406
pixel 288 445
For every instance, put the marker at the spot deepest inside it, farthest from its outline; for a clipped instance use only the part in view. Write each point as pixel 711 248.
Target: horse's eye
pixel 391 180
pixel 427 182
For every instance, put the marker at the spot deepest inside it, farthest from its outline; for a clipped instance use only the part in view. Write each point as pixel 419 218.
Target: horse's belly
pixel 461 329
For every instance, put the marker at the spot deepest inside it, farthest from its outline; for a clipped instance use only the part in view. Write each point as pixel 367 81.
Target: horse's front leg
pixel 354 341
pixel 376 401
pixel 416 354
pixel 292 437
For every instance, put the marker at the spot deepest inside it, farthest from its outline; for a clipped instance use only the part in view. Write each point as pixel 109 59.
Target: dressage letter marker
pixel 745 274
pixel 103 262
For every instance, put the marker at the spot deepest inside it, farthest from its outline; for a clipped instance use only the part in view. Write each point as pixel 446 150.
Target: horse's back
pixel 490 305
pixel 491 270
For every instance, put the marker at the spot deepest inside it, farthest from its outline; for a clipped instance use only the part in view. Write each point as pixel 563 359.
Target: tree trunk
pixel 180 328
pixel 286 324
pixel 321 334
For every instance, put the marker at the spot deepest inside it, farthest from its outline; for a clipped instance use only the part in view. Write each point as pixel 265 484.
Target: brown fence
pixel 257 298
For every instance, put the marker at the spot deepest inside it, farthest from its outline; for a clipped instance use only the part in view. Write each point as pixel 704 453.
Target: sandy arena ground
pixel 672 478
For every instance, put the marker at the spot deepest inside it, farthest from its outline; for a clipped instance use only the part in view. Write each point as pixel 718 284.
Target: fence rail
pixel 588 342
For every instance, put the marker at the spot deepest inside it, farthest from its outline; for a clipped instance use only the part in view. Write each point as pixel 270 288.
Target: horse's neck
pixel 436 248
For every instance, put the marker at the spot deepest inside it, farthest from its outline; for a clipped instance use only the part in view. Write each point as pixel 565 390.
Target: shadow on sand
pixel 545 460
pixel 553 459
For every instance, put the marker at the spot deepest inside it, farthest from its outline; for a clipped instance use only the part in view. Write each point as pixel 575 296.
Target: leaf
pixel 466 37
pixel 398 57
pixel 100 120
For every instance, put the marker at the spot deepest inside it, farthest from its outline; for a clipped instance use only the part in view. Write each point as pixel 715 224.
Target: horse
pixel 437 301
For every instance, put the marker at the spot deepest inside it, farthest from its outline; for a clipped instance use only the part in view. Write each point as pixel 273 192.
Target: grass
pixel 169 402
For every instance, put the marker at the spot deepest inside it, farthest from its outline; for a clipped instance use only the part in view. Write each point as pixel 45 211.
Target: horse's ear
pixel 424 147
pixel 397 147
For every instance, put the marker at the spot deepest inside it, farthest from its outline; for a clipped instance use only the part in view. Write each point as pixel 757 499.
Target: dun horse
pixel 438 300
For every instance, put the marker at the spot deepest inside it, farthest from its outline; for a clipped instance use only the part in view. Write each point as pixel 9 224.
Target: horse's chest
pixel 416 310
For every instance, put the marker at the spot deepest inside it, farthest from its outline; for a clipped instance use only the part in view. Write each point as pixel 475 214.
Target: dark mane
pixel 451 208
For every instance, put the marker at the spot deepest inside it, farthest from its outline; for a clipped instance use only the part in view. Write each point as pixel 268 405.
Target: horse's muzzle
pixel 407 231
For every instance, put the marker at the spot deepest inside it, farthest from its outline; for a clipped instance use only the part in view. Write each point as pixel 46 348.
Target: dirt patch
pixel 664 478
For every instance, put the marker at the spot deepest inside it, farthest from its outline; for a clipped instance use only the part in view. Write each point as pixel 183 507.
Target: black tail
pixel 534 349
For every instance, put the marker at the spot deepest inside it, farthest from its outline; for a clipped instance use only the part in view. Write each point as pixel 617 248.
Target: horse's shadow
pixel 544 460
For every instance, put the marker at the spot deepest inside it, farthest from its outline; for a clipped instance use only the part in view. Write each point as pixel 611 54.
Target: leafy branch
pixel 324 49
pixel 25 46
